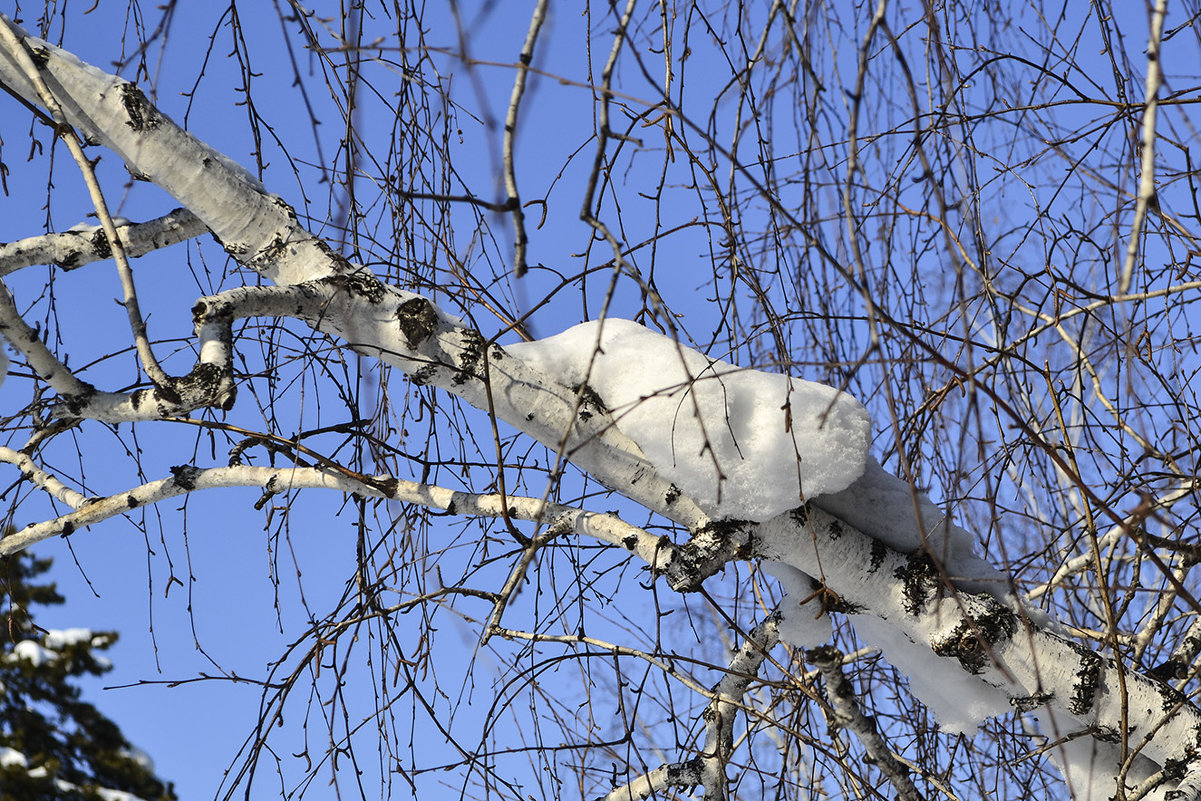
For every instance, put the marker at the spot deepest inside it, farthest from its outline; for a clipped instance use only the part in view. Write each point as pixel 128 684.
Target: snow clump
pixel 744 444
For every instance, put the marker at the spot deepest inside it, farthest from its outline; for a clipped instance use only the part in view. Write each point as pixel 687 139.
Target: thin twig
pixel 514 202
pixel 1146 187
pixel 64 130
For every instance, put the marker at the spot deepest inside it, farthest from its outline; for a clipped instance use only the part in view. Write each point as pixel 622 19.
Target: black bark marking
pixel 590 401
pixel 1088 677
pixel 418 321
pixel 879 553
pixel 77 403
pixel 918 577
pixel 143 116
pixel 360 282
pixel 71 261
pixel 387 486
pixel 1029 703
pixel 425 375
pixel 469 362
pixel 972 640
pixel 185 476
pixel 40 57
pixel 100 244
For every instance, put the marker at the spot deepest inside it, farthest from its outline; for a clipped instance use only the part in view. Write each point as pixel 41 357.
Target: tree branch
pixel 848 715
pixel 88 243
pixel 557 519
pixel 708 768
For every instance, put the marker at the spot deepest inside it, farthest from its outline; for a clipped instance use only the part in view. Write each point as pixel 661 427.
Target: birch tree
pixel 951 556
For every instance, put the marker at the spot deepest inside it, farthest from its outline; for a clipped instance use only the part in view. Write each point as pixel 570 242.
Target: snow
pixel 88 228
pixel 1090 766
pixel 39 653
pixel 140 757
pixel 60 638
pixel 30 651
pixel 960 701
pixel 115 795
pixel 744 444
pixel 802 625
pixel 888 509
pixel 10 757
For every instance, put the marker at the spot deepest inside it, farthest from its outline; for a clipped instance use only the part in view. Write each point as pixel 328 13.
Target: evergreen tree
pixel 53 745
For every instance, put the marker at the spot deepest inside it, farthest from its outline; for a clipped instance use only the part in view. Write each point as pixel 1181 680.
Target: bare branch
pixel 86 244
pixel 513 205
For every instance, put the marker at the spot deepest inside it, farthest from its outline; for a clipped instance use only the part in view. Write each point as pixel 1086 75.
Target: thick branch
pixel 259 230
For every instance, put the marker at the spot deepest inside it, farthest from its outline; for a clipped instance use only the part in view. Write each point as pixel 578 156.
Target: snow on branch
pixel 745 444
pixel 970 656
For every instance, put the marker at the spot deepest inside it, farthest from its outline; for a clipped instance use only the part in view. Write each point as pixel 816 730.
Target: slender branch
pixel 514 201
pixel 708 769
pixel 17 48
pixel 557 518
pixel 848 715
pixel 603 134
pixel 47 482
pixel 29 342
pixel 1146 186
